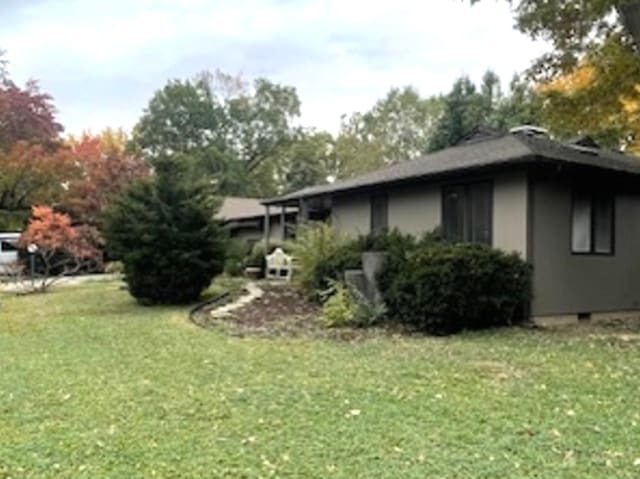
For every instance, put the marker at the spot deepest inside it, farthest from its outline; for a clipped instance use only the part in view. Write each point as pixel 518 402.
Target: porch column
pixel 267 228
pixel 283 221
pixel 303 211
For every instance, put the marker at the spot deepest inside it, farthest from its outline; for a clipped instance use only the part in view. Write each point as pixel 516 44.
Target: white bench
pixel 279 265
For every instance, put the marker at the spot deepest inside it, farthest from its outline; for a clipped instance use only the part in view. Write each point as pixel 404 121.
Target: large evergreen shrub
pixel 443 288
pixel 163 231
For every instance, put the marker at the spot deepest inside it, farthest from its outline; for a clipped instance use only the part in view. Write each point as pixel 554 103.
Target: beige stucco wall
pixel 565 283
pixel 351 214
pixel 417 209
pixel 256 233
pixel 510 212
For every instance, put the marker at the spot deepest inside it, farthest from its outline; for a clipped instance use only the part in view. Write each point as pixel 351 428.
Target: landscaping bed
pixel 282 310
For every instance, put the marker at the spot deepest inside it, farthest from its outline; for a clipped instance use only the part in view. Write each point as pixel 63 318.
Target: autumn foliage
pixel 62 248
pixel 32 174
pixel 33 166
pixel 106 168
pixel 26 114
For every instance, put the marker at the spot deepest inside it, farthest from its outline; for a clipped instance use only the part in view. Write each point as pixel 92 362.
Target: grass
pixel 93 385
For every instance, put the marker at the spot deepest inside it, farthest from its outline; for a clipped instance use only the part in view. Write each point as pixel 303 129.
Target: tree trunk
pixel 630 15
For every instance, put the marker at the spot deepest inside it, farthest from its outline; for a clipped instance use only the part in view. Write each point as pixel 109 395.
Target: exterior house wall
pixel 417 209
pixel 351 214
pixel 510 192
pixel 254 231
pixel 566 283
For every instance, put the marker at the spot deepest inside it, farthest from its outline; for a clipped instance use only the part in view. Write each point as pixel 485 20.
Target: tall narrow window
pixel 581 235
pixel 453 213
pixel 592 223
pixel 467 212
pixel 379 213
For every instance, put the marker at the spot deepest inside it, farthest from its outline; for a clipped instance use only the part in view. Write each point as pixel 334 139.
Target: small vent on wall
pixel 584 316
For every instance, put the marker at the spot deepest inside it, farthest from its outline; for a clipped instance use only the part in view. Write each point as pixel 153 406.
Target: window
pixel 379 213
pixel 467 212
pixel 592 223
pixel 7 245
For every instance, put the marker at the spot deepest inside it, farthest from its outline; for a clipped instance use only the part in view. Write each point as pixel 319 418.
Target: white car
pixel 8 248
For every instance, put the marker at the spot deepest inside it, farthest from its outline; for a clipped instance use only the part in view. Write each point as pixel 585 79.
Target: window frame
pixel 593 197
pixel 372 200
pixel 467 222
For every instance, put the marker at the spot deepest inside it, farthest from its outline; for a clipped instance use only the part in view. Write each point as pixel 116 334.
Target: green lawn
pixel 94 386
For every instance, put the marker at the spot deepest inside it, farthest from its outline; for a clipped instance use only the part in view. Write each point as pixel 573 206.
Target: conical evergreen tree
pixel 163 230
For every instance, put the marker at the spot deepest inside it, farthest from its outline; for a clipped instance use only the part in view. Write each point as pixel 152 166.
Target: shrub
pixel 238 251
pixel 388 241
pixel 322 255
pixel 163 231
pixel 314 248
pixel 60 248
pixel 339 309
pixel 444 288
pixel 114 267
pixel 344 305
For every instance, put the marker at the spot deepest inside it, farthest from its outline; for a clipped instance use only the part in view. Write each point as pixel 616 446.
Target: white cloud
pixel 103 60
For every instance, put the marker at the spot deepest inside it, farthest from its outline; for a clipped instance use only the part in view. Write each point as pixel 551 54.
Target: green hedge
pixel 442 288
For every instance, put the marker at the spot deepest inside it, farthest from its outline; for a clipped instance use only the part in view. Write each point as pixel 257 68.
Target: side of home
pixel 244 218
pixel 572 211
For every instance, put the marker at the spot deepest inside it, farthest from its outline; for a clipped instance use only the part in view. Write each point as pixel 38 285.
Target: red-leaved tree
pixel 106 167
pixel 26 114
pixel 60 248
pixel 34 168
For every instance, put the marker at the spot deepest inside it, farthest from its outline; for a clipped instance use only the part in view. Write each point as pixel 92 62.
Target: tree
pixel 225 127
pixel 356 154
pixel 402 122
pixel 26 114
pixel 308 159
pixel 33 168
pixel 569 112
pixel 163 230
pixel 397 128
pixel 62 249
pixel 594 39
pixel 578 27
pixel 107 168
pixel 467 106
pixel 31 174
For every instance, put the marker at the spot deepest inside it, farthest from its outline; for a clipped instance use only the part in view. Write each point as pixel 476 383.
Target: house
pixel 572 210
pixel 245 219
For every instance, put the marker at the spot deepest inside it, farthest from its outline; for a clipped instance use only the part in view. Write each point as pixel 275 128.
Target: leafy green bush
pixel 315 250
pixel 238 251
pixel 444 288
pixel 322 255
pixel 340 308
pixel 163 231
pixel 114 267
pixel 344 306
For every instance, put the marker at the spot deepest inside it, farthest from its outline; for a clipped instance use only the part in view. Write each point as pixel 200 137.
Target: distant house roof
pixel 236 208
pixel 477 151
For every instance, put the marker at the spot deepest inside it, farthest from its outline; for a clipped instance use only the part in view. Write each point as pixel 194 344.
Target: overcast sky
pixel 103 60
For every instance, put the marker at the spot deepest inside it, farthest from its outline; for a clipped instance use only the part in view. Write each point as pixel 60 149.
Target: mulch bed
pixel 281 311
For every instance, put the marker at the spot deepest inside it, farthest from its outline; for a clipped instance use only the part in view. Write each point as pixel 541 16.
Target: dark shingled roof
pixel 236 208
pixel 500 149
